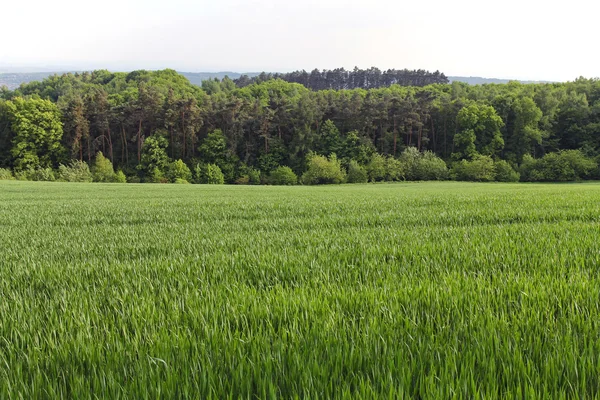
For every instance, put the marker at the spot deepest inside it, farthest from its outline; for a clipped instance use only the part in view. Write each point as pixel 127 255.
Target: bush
pixel 133 179
pixel 567 165
pixel 505 173
pixel 481 169
pixel 156 176
pixel 254 176
pixel 248 176
pixel 283 176
pixel 394 170
pixel 356 173
pixel 430 167
pixel 120 177
pixel 209 174
pixel 376 168
pixel 6 175
pixel 103 171
pixel 39 174
pixel 76 171
pixel 322 170
pixel 410 158
pixel 242 180
pixel 42 175
pixel 179 170
pixel 180 181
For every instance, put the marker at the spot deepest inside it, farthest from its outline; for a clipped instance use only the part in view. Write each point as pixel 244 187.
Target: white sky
pixel 524 39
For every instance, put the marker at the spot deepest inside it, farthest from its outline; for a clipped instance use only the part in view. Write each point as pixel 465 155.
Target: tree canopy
pixel 144 121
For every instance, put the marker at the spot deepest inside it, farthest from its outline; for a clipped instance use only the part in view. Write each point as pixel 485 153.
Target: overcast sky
pixel 521 39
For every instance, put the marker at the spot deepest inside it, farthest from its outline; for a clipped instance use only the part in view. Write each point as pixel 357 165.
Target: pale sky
pixel 517 39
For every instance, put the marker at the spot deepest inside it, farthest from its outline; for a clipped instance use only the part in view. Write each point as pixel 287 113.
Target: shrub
pixel 430 167
pixel 410 159
pixel 179 170
pixel 376 168
pixel 322 170
pixel 505 173
pixel 254 176
pixel 394 169
pixel 568 165
pixel 38 174
pixel 283 176
pixel 156 176
pixel 242 180
pixel 76 171
pixel 209 174
pixel 120 177
pixel 133 179
pixel 356 173
pixel 42 175
pixel 6 175
pixel 180 181
pixel 480 169
pixel 103 171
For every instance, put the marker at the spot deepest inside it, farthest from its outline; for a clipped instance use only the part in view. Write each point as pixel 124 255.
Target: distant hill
pixel 14 79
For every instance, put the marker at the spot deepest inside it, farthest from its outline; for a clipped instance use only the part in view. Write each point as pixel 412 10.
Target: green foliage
pixel 356 173
pixel 331 139
pixel 322 170
pixel 155 175
pixel 429 167
pixel 213 148
pixel 568 165
pixel 424 166
pixel 479 127
pixel 76 171
pixel 145 119
pixel 37 131
pixel 504 172
pixel 254 176
pixel 283 176
pixel 36 174
pixel 480 169
pixel 464 143
pixel 120 177
pixel 102 170
pixel 395 170
pixel 376 168
pixel 209 174
pixel 179 170
pixel 154 158
pixel 180 181
pixel 6 174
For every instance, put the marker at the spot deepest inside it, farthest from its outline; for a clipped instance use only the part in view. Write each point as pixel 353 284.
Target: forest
pixel 155 126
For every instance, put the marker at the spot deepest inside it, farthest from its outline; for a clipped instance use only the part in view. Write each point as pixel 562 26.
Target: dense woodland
pixel 157 127
pixel 339 78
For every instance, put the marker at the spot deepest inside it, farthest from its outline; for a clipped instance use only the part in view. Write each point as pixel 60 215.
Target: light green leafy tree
pixel 37 130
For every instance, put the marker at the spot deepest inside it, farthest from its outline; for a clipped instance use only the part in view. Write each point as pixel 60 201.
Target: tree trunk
pixel 395 137
pixel 110 146
pixel 139 142
pixel 433 135
pixel 183 133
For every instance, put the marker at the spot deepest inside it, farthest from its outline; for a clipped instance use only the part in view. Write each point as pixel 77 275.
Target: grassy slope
pixel 431 289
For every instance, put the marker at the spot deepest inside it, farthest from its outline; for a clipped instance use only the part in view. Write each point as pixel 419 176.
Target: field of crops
pixel 429 290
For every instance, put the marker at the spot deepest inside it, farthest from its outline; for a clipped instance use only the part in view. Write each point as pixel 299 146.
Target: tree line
pixel 154 126
pixel 341 79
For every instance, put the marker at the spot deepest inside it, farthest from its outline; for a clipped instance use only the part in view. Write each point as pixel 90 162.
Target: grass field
pixel 430 290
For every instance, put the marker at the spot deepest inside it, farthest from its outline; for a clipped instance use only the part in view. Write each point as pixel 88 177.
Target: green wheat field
pixel 413 290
